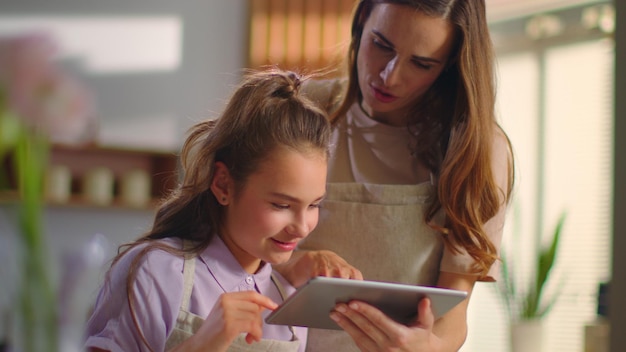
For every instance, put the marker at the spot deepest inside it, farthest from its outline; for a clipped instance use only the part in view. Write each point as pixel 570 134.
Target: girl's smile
pixel 285 246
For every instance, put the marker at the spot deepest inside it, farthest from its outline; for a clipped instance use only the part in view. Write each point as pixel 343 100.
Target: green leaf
pixel 507 286
pixel 531 303
pixel 546 259
pixel 10 129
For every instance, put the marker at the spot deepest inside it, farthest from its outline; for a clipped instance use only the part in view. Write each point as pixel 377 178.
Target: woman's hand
pixel 233 314
pixel 306 264
pixel 372 330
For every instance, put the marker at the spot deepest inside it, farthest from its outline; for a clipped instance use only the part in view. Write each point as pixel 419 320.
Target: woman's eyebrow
pixel 383 38
pixel 414 57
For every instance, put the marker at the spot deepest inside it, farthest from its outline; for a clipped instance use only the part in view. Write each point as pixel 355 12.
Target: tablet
pixel 311 304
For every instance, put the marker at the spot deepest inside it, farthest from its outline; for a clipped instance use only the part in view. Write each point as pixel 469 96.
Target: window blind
pixel 299 34
pixel 563 148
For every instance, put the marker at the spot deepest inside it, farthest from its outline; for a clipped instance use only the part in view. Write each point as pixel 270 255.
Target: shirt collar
pixel 227 271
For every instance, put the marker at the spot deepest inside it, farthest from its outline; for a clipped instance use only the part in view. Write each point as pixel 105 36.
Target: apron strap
pixel 281 289
pixel 189 269
pixel 283 295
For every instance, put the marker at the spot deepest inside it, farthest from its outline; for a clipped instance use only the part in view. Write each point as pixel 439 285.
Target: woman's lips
pixel 383 96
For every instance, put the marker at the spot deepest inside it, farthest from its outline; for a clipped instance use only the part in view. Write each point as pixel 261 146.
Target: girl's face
pixel 401 54
pixel 276 208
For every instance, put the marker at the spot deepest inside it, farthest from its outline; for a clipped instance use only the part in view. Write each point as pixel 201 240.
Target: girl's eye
pixel 315 205
pixel 280 206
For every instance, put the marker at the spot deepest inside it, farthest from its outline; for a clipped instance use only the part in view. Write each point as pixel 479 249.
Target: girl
pixel 201 278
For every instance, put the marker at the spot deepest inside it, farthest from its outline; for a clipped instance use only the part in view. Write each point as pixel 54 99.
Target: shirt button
pixel 249 280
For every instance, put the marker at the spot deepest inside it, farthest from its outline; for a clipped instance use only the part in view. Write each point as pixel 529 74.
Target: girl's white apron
pixel 188 323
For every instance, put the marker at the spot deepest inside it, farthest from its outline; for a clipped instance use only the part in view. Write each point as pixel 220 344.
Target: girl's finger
pixel 262 302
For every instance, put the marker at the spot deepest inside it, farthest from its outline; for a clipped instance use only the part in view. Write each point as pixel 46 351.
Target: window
pixel 555 102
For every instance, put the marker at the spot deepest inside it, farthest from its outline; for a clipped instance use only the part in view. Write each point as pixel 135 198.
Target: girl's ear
pixel 222 184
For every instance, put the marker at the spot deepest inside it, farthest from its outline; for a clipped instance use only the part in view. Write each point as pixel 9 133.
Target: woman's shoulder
pixel 500 144
pixel 502 159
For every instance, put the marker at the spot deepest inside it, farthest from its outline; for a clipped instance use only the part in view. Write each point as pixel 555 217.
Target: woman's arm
pixel 452 327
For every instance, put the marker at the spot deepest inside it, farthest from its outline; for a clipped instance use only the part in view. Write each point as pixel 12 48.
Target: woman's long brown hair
pixel 456 123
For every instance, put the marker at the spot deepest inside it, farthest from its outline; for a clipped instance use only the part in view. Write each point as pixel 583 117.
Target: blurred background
pixel 156 67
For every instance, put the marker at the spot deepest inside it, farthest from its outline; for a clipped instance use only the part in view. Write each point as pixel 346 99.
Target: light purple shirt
pixel 158 291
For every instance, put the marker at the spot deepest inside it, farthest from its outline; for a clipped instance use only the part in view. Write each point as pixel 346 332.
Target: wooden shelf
pixel 159 167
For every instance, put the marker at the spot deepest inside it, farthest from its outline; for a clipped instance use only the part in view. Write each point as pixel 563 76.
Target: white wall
pixel 154 106
pixel 154 66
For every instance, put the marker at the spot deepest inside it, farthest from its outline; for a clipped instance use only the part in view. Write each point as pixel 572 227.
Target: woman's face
pixel 277 207
pixel 401 54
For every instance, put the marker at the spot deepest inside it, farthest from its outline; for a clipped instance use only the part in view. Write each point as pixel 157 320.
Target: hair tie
pixel 295 78
pixel 289 88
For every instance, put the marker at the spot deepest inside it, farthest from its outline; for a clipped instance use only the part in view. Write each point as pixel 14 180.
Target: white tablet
pixel 311 304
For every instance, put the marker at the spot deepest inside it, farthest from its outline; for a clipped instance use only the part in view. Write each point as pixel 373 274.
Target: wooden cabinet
pixel 104 176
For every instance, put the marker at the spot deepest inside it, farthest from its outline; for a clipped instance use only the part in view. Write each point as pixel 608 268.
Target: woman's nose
pixel 390 74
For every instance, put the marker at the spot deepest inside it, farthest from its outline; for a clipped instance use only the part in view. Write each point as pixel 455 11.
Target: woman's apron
pixel 188 323
pixel 380 230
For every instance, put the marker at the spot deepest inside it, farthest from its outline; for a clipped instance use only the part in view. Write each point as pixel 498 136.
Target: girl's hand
pixel 233 314
pixel 307 264
pixel 372 330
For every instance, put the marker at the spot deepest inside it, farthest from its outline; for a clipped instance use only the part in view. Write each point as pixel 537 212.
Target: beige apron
pixel 380 230
pixel 188 323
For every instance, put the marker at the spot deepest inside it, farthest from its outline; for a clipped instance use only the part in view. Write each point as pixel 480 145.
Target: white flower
pixel 35 89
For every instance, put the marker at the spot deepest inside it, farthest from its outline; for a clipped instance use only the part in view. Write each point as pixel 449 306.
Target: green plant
pixel 531 302
pixel 39 105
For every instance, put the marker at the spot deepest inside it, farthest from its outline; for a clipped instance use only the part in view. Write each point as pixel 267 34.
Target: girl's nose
pixel 299 227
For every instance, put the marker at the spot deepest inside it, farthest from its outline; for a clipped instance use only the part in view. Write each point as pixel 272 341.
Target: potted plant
pixel 529 303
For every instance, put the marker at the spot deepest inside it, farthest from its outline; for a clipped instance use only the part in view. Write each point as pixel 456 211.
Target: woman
pixel 420 175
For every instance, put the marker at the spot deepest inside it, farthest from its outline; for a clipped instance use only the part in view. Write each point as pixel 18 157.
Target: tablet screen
pixel 311 304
